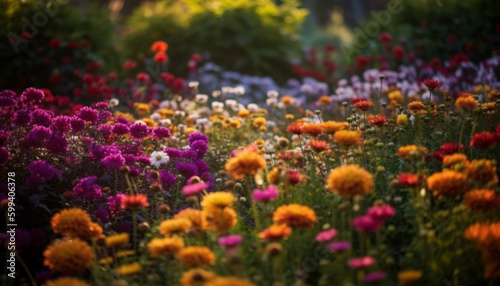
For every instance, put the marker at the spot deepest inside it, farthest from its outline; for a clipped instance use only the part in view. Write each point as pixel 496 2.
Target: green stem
pixel 25 267
pixel 254 205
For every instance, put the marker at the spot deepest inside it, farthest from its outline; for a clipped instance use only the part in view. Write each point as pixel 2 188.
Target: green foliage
pixel 252 37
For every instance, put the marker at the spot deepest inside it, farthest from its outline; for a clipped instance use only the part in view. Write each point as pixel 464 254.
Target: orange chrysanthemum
pixel 349 181
pixel 415 150
pixel 409 276
pixel 134 202
pixel 222 220
pixel 330 127
pixel 324 100
pixel 66 281
pixel 159 46
pixel 447 183
pixel 451 160
pixel 68 256
pixel 482 172
pixel 318 145
pixel 416 106
pixel 197 277
pixel 347 137
pixel 245 163
pixel 287 100
pixel 119 239
pixel 295 215
pixel 174 226
pixel 129 269
pixel 243 113
pixel 481 200
pixel 363 105
pixel 466 103
pixel 259 121
pixel 275 232
pixel 159 247
pixel 192 215
pixel 72 223
pixel 311 129
pixel 230 281
pixel 195 256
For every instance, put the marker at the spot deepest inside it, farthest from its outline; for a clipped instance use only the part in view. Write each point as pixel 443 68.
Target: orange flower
pixel 295 128
pixel 134 202
pixel 66 281
pixel 275 232
pixel 165 246
pixel 192 215
pixel 324 100
pixel 197 277
pixel 159 46
pixel 287 100
pixel 230 281
pixel 482 172
pixel 447 183
pixel 295 215
pixel 467 103
pixel 318 145
pixel 405 151
pixel 409 276
pixel 222 220
pixel 195 256
pixel 311 129
pixel 68 256
pixel 416 106
pixel 363 105
pixel 72 223
pixel 349 181
pixel 347 137
pixel 129 269
pixel 331 127
pixel 161 57
pixel 478 232
pixel 244 113
pixel 451 160
pixel 174 226
pixel 481 200
pixel 118 239
pixel 245 163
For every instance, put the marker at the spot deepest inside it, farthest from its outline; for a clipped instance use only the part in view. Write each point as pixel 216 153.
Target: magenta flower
pixel 269 194
pixel 115 203
pixel 4 156
pixel 61 124
pixel 360 262
pixel 87 189
pixel 33 94
pixel 326 235
pixel 374 277
pixel 230 240
pixel 339 246
pixel 161 132
pixel 381 213
pixel 41 171
pixel 120 129
pixel 366 223
pixel 88 114
pixel 139 130
pixel 114 161
pixel 193 189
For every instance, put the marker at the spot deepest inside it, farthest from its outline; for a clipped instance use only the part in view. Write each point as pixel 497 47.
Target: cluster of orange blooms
pixel 487 238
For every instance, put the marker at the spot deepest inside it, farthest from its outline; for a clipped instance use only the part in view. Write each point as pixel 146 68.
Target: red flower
pixel 483 140
pixel 178 84
pixel 161 58
pixel 168 78
pixel 295 128
pixel 362 62
pixel 385 37
pixel 143 77
pixel 318 145
pixel 409 180
pixel 432 83
pixel 354 100
pixel 363 105
pixel 159 46
pixel 438 155
pixel 378 120
pixel 133 202
pixel 295 177
pixel 128 65
pixel 54 43
pixel 451 148
pixel 398 52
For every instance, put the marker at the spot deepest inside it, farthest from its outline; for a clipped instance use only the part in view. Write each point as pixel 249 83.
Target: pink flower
pixel 266 195
pixel 366 223
pixel 360 262
pixel 339 246
pixel 381 213
pixel 193 189
pixel 326 235
pixel 230 240
pixel 374 277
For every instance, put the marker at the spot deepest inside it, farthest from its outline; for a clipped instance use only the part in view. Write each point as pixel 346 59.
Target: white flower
pixel 114 102
pixel 156 117
pixel 272 101
pixel 239 90
pixel 272 94
pixel 216 93
pixel 201 98
pixel 253 107
pixel 180 113
pixel 203 122
pixel 231 103
pixel 193 84
pixel 165 122
pixel 227 90
pixel 158 158
pixel 217 106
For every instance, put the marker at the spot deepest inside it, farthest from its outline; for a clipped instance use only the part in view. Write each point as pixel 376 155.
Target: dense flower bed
pixel 392 180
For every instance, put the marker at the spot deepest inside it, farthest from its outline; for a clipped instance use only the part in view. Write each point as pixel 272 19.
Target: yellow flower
pixel 402 119
pixel 118 239
pixel 259 121
pixel 244 113
pixel 106 261
pixel 125 253
pixel 217 200
pixel 295 215
pixel 129 269
pixel 165 246
pixel 331 127
pixel 195 256
pixel 174 226
pixel 68 256
pixel 289 116
pixel 466 103
pixel 141 109
pixel 164 112
pixel 245 163
pixel 325 99
pixel 415 150
pixel 125 115
pixel 451 160
pixel 192 215
pixel 197 277
pixel 287 100
pixel 222 220
pixel 416 106
pixel 409 276
pixel 396 96
pixel 447 183
pixel 230 281
pixel 349 181
pixel 72 223
pixel 66 281
pixel 189 130
pixel 235 123
pixel 149 122
pixel 259 142
pixel 347 137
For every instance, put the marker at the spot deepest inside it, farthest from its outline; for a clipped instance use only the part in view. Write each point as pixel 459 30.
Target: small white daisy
pixel 158 158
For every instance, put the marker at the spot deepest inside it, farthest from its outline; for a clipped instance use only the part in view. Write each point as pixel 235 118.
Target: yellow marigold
pixel 289 116
pixel 489 107
pixel 222 220
pixel 454 159
pixel 402 119
pixel 263 128
pixel 189 130
pixel 129 269
pixel 259 121
pixel 141 109
pixel 467 103
pixel 447 183
pixel 405 151
pixel 149 122
pixel 275 232
pixel 480 88
pixel 396 96
pixel 68 256
pixel 325 99
pixel 245 163
pixel 119 239
pixel 164 112
pixel 235 123
pixel 481 200
pixel 107 261
pixel 72 223
pixel 259 142
pixel 244 113
pixel 416 106
pixel 349 181
pixel 492 95
pixel 229 281
pixel 192 215
pixel 347 137
pixel 295 215
pixel 165 246
pixel 174 226
pixel 287 100
pixel 125 253
pixel 409 276
pixel 331 127
pixel 273 176
pixel 482 172
pixel 66 281
pixel 217 200
pixel 195 256
pixel 197 277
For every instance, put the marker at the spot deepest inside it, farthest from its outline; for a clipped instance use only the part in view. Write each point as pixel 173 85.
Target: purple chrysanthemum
pixel 101 105
pixel 167 178
pixel 6 101
pixel 38 136
pixel 102 215
pixel 123 120
pixel 57 144
pixel 187 169
pixel 87 189
pixel 115 203
pixel 200 147
pixel 139 130
pixel 33 94
pixel 129 159
pixel 120 129
pixel 61 124
pixel 41 171
pixel 161 132
pixel 88 114
pixel 4 137
pixel 41 117
pixel 105 130
pixel 189 154
pixel 202 166
pixel 195 136
pixel 104 116
pixel 4 156
pixel 113 161
pixel 22 117
pixel 77 124
pixel 173 153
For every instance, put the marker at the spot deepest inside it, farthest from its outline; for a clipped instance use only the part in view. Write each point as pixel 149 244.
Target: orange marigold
pixel 165 246
pixel 405 151
pixel 222 220
pixel 447 183
pixel 451 160
pixel 482 172
pixel 416 106
pixel 193 215
pixel 119 239
pixel 159 46
pixel 195 256
pixel 318 145
pixel 245 163
pixel 347 137
pixel 311 129
pixel 287 100
pixel 409 276
pixel 349 181
pixel 325 99
pixel 466 103
pixel 197 277
pixel 481 200
pixel 72 223
pixel 68 256
pixel 275 232
pixel 174 226
pixel 217 200
pixel 331 127
pixel 295 215
pixel 66 281
pixel 134 202
pixel 230 281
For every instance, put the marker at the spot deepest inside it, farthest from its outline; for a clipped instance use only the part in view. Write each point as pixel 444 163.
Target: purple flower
pixel 381 213
pixel 77 124
pixel 360 262
pixel 101 105
pixel 105 130
pixel 87 189
pixel 161 132
pixel 189 154
pixel 143 160
pixel 104 116
pixel 134 172
pixel 167 178
pixel 88 114
pixel 339 246
pixel 188 170
pixel 6 101
pixel 61 124
pixel 202 166
pixel 366 223
pixel 4 156
pixel 41 117
pixel 38 136
pixel 207 178
pixel 113 161
pixel 41 171
pixel 139 130
pixel 173 153
pixel 374 277
pixel 23 117
pixel 57 144
pixel 102 215
pixel 4 137
pixel 193 189
pixel 120 129
pixel 129 159
pixel 200 147
pixel 123 120
pixel 115 203
pixel 269 194
pixel 33 94
pixel 326 235
pixel 230 240
pixel 195 136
